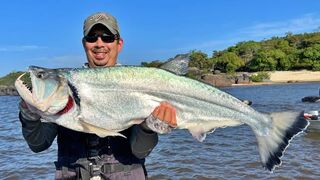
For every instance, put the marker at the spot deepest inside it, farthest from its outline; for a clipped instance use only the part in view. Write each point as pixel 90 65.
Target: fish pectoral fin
pixel 199 133
pixel 101 132
pixel 201 129
pixel 137 121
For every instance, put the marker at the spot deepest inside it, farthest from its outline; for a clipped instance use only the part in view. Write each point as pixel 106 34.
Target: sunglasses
pixel 106 38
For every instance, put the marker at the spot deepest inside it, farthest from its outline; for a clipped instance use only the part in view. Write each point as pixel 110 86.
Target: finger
pixel 156 111
pixel 167 115
pixel 170 113
pixel 160 115
pixel 163 102
pixel 166 104
pixel 174 118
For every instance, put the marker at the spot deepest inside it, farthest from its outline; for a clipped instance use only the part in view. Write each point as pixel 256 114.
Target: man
pixel 85 156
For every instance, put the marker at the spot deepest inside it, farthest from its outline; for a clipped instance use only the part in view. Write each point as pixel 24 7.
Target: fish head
pixel 50 90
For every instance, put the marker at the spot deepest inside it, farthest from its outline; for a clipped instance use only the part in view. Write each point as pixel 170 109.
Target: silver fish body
pixel 129 95
pixel 109 100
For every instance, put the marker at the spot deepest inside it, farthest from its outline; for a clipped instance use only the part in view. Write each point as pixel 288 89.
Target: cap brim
pixel 113 31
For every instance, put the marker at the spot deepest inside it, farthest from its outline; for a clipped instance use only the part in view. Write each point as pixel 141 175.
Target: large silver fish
pixel 105 101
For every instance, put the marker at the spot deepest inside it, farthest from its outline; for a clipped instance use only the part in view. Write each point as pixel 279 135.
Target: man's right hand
pixel 27 112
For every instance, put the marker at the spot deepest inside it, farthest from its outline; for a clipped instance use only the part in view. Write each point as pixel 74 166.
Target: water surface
pixel 228 153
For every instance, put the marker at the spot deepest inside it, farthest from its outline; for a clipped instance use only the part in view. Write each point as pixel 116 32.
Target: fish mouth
pixel 48 93
pixel 24 90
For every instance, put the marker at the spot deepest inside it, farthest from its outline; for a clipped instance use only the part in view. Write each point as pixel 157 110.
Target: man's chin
pixel 100 63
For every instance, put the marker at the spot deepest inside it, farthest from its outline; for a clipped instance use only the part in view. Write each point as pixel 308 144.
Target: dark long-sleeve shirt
pixel 40 135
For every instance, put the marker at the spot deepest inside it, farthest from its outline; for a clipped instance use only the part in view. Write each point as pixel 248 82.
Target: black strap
pixel 88 168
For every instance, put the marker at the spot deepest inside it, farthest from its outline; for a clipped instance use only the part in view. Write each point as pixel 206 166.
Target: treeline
pixel 10 78
pixel 292 52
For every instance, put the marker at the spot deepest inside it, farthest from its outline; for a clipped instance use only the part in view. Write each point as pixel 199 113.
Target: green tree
pixel 155 63
pixel 280 57
pixel 263 61
pixel 311 57
pixel 200 60
pixel 10 78
pixel 246 50
pixel 229 62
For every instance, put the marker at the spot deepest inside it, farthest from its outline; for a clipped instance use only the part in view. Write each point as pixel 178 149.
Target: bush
pixel 260 76
pixel 191 75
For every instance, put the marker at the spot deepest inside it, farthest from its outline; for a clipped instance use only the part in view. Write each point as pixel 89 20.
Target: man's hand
pixel 28 112
pixel 166 113
pixel 162 120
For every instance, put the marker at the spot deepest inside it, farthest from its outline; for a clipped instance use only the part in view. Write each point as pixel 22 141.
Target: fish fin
pixel 207 127
pixel 137 121
pixel 199 133
pixel 178 65
pixel 101 132
pixel 272 145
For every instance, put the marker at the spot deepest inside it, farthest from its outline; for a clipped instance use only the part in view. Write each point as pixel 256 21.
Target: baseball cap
pixel 101 18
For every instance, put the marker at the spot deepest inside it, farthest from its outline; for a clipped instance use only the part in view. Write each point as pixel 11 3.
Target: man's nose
pixel 99 42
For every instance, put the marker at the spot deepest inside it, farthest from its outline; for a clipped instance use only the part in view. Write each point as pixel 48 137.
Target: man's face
pixel 100 53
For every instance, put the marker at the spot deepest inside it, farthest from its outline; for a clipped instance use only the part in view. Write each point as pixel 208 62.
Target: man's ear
pixel 120 44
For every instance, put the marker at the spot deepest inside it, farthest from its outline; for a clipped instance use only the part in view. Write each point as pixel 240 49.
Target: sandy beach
pixel 294 76
pixel 279 77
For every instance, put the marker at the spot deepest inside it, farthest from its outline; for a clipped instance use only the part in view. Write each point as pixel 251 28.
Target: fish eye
pixel 40 75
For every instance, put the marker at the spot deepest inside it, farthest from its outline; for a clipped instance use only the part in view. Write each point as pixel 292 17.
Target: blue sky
pixel 48 33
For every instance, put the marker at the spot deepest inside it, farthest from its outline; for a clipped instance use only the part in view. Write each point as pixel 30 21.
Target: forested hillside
pixel 292 52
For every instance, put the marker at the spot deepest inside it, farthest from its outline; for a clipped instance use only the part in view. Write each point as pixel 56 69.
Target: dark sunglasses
pixel 104 37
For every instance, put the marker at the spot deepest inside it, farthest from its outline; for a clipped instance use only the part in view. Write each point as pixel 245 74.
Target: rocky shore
pixel 8 91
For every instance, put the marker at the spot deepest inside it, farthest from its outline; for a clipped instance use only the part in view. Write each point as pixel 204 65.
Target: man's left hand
pixel 166 113
pixel 162 120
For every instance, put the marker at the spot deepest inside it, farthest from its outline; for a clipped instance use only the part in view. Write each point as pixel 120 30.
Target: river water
pixel 228 153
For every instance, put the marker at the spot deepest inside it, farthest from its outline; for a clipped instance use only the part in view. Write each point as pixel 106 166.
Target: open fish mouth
pixel 47 92
pixel 24 89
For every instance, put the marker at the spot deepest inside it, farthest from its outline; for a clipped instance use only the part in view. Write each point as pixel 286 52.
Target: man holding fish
pixel 88 156
pixel 109 101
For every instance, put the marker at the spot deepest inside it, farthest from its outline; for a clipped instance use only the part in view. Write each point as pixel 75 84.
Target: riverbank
pixel 295 76
pixel 222 80
pixel 8 91
pixel 280 77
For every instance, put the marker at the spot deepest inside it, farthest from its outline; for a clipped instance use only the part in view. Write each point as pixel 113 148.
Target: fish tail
pixel 285 126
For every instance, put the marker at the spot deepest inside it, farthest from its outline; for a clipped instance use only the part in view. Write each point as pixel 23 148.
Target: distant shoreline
pixel 300 76
pixel 283 77
pixel 8 91
pixel 276 77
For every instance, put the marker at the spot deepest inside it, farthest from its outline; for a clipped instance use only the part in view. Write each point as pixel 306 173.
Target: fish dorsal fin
pixel 178 65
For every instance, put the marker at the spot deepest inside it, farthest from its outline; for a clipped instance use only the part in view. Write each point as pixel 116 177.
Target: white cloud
pixel 20 48
pixel 259 31
pixel 306 23
pixel 59 61
pixel 67 61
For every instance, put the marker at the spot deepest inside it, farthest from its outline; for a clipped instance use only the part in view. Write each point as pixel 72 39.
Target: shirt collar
pixel 86 65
